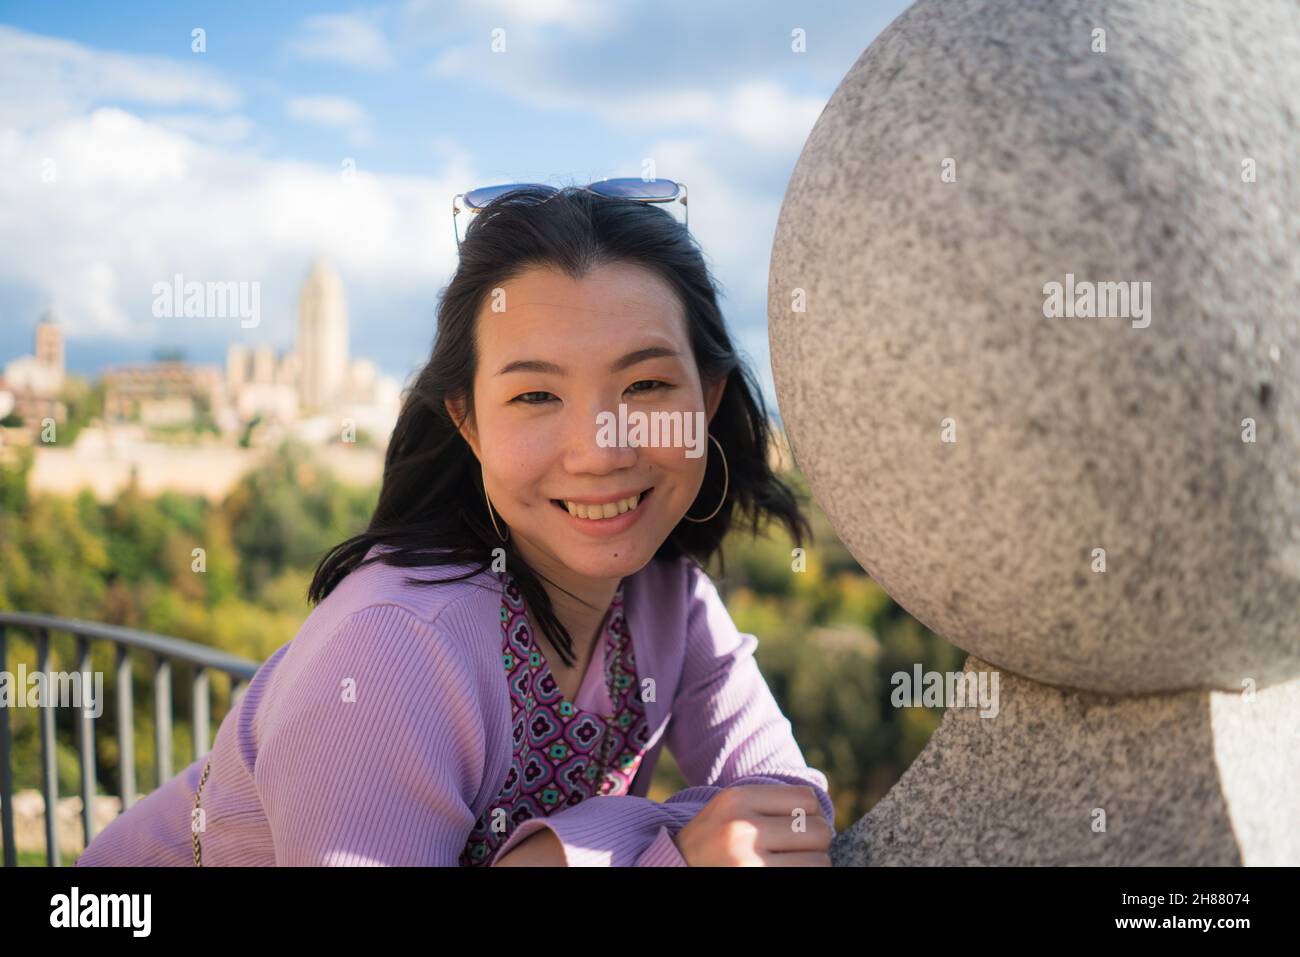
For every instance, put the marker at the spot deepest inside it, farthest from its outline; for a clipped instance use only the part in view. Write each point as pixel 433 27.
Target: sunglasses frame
pixel 680 193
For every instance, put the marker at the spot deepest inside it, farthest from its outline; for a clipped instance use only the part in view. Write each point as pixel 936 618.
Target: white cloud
pixel 112 150
pixel 93 294
pixel 760 112
pixel 45 76
pixel 452 62
pixel 766 114
pixel 207 128
pixel 352 40
pixel 333 112
pixel 134 202
pixel 98 202
pixel 578 16
pixel 336 111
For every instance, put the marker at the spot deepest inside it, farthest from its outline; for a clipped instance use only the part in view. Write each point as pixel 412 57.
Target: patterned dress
pixel 557 746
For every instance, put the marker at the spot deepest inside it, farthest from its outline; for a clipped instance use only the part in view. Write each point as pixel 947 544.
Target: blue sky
pixel 126 157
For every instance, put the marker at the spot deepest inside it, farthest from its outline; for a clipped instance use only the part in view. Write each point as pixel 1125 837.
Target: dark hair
pixel 432 510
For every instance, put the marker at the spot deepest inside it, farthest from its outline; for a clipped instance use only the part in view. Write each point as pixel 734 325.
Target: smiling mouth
pixel 598 513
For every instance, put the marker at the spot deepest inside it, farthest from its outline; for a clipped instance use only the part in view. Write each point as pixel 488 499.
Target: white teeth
pixel 607 510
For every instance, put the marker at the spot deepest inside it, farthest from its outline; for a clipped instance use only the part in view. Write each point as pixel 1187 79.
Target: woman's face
pixel 553 354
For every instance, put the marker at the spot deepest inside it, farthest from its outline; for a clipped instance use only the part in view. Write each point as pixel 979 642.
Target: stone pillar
pixel 1034 310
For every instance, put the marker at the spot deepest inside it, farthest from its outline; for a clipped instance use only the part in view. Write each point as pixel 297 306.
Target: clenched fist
pixel 755 825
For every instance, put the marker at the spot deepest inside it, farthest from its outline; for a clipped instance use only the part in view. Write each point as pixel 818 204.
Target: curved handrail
pixel 178 648
pixel 164 650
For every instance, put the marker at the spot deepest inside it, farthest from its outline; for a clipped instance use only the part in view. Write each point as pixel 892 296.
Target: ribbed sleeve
pixel 726 730
pixel 376 756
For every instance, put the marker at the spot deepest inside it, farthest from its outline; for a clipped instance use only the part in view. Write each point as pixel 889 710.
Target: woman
pixel 386 732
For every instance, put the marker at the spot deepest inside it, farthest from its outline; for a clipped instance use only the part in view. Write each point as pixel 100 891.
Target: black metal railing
pixel 164 651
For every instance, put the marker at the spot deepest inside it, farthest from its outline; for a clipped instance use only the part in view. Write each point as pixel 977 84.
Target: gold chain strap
pixel 198 861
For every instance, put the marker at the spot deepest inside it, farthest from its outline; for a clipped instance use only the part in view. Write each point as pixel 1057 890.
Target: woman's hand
pixel 540 849
pixel 753 825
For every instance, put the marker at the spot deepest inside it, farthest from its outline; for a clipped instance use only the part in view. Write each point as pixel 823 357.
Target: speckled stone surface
pixel 1193 778
pixel 925 299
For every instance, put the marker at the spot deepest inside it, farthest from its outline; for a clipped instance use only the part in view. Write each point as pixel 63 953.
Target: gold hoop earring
pixel 506 536
pixel 726 483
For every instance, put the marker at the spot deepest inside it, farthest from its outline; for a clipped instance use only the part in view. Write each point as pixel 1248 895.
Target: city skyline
pixel 316 375
pixel 77 360
pixel 198 428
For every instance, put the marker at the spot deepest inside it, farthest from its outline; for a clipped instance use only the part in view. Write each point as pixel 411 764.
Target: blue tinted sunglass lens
pixel 478 198
pixel 633 187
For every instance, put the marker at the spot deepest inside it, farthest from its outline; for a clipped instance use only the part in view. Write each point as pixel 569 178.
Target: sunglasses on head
pixel 627 187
